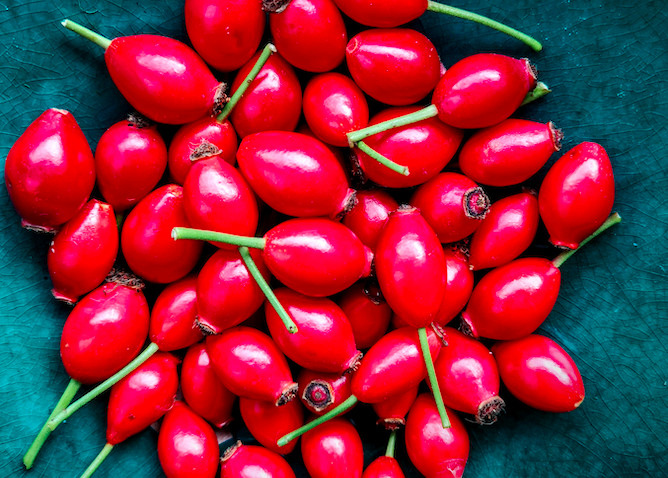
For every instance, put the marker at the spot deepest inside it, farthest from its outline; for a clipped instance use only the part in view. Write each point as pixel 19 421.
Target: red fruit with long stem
pixel 452 204
pixel 368 313
pixel 146 237
pixel 225 33
pixel 249 461
pixel 396 66
pixel 577 194
pixel 468 377
pixel 368 217
pixel 385 466
pixel 540 373
pixel 506 232
pixel 310 34
pixel 187 445
pixel 332 450
pixel 509 152
pixel 435 451
pixel 320 392
pixel 202 390
pixel 83 251
pixel 392 411
pixel 267 422
pixel 295 174
pixel 50 153
pixel 251 365
pixel 130 159
pixel 333 107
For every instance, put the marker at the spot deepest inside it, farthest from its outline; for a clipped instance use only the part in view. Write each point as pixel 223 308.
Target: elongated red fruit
pixel 332 450
pixel 267 422
pixel 51 152
pixel 383 467
pixel 540 373
pixel 320 392
pixel 577 194
pixel 83 251
pixel 459 287
pixel 368 217
pixel 383 14
pixel 392 411
pixel 368 313
pixel 250 461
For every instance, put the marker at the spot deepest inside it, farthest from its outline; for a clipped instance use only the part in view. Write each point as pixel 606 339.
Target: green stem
pixel 65 399
pixel 488 22
pixel 104 453
pixel 433 381
pixel 425 113
pixel 539 91
pixel 391 443
pixel 340 408
pixel 104 386
pixel 615 218
pixel 388 163
pixel 269 294
pixel 264 56
pixel 202 235
pixel 96 38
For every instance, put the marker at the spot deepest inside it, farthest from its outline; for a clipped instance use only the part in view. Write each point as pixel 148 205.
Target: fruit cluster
pixel 281 250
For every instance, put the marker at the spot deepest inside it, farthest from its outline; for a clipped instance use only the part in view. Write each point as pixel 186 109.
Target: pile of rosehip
pixel 281 249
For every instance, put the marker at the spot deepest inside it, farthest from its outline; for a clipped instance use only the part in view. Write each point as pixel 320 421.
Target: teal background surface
pixel 607 63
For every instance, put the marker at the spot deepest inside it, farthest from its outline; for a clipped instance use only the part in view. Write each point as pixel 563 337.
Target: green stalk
pixel 340 408
pixel 355 137
pixel 264 56
pixel 391 442
pixel 488 22
pixel 103 387
pixel 104 453
pixel 539 91
pixel 615 218
pixel 269 294
pixel 202 235
pixel 96 38
pixel 65 399
pixel 433 381
pixel 388 163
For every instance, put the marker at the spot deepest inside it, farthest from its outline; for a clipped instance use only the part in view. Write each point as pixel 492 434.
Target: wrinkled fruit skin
pixel 267 422
pixel 384 13
pixel 577 194
pixel 540 373
pixel 249 461
pixel 333 449
pixel 51 152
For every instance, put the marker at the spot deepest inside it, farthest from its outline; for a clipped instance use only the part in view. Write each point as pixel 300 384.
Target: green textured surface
pixel 607 63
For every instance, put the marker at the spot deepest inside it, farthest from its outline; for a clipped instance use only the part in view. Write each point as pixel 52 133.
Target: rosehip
pixel 392 411
pixel 368 313
pixel 368 217
pixel 249 461
pixel 267 422
pixel 333 449
pixel 320 392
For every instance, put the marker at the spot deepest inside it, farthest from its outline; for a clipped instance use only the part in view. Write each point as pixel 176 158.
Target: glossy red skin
pixel 383 467
pixel 459 285
pixel 577 194
pixel 368 313
pixel 250 364
pixel 162 78
pixel 172 325
pixel 142 397
pixel 217 198
pixel 506 232
pixel 316 257
pixel 202 390
pixel 540 373
pixel 333 107
pixel 105 330
pixel 187 445
pixel 482 90
pixel 396 66
pixel 129 162
pixel 513 300
pixel 435 451
pixel 342 155
pixel 225 32
pixel 205 133
pixel 249 461
pixel 410 267
pixel 267 422
pixel 384 13
pixel 294 174
pixel 333 449
pixel 467 375
pixel 392 411
pixel 424 148
pixel 330 390
pixel 83 251
pixel 146 237
pixel 393 365
pixel 368 217
pixel 227 294
pixel 441 201
pixel 508 153
pixel 310 34
pixel 324 341
pixel 50 153
pixel 273 101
